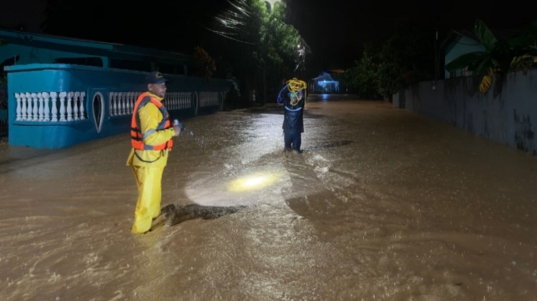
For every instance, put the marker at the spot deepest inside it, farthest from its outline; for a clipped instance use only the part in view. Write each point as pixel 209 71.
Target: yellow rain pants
pixel 148 167
pixel 148 180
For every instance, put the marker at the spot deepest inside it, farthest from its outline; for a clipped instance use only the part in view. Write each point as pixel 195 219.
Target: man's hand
pixel 177 130
pixel 179 124
pixel 178 127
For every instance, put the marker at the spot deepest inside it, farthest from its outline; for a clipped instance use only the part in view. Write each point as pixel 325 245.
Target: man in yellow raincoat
pixel 151 139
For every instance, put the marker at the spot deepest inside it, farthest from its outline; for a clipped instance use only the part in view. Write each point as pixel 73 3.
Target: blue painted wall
pixel 36 78
pixel 507 117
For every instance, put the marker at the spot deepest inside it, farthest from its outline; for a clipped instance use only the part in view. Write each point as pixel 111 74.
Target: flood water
pixel 382 205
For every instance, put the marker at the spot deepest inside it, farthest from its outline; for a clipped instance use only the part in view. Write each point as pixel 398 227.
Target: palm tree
pixel 499 56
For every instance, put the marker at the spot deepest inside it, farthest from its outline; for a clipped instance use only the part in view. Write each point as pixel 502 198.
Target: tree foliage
pixel 363 76
pixel 203 64
pixel 260 46
pixel 519 52
pixel 278 44
pixel 407 57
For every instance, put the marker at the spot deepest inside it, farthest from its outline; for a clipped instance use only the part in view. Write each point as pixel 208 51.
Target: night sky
pixel 335 30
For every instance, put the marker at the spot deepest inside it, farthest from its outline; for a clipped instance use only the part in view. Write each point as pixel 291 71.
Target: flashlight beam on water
pixel 253 182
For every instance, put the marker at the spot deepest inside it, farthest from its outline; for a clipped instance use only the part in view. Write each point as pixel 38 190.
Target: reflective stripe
pixel 148 133
pixel 136 135
pixel 293 110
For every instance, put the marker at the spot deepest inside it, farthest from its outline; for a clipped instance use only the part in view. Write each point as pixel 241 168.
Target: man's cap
pixel 155 77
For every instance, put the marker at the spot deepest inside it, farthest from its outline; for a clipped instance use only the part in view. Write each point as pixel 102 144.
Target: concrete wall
pixel 503 114
pixel 100 117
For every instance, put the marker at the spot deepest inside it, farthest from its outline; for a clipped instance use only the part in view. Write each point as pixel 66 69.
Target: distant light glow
pixel 252 182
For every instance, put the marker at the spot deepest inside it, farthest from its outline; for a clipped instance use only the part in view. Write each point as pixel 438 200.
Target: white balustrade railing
pixel 122 103
pixel 178 100
pixel 207 99
pixel 69 106
pixel 50 106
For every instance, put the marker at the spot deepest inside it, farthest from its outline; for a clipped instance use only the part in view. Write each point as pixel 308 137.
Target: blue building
pixel 62 91
pixel 324 83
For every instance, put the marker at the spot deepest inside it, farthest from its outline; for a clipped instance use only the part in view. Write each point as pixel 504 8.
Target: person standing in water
pixel 293 100
pixel 151 139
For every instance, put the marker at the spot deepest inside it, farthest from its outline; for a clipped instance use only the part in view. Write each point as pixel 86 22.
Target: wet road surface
pixel 382 205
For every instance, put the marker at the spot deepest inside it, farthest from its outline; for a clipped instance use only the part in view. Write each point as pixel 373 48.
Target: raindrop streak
pixel 191 134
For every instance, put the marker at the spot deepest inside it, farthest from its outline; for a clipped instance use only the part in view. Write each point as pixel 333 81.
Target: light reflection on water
pixel 383 204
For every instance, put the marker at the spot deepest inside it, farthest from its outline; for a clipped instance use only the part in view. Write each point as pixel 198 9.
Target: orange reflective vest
pixel 137 137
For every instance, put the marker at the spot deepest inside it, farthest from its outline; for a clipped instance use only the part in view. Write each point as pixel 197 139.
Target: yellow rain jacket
pixel 149 175
pixel 150 117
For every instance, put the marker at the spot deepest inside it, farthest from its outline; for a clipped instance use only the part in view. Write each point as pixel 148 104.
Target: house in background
pixel 28 48
pixel 63 91
pixel 459 42
pixel 324 83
